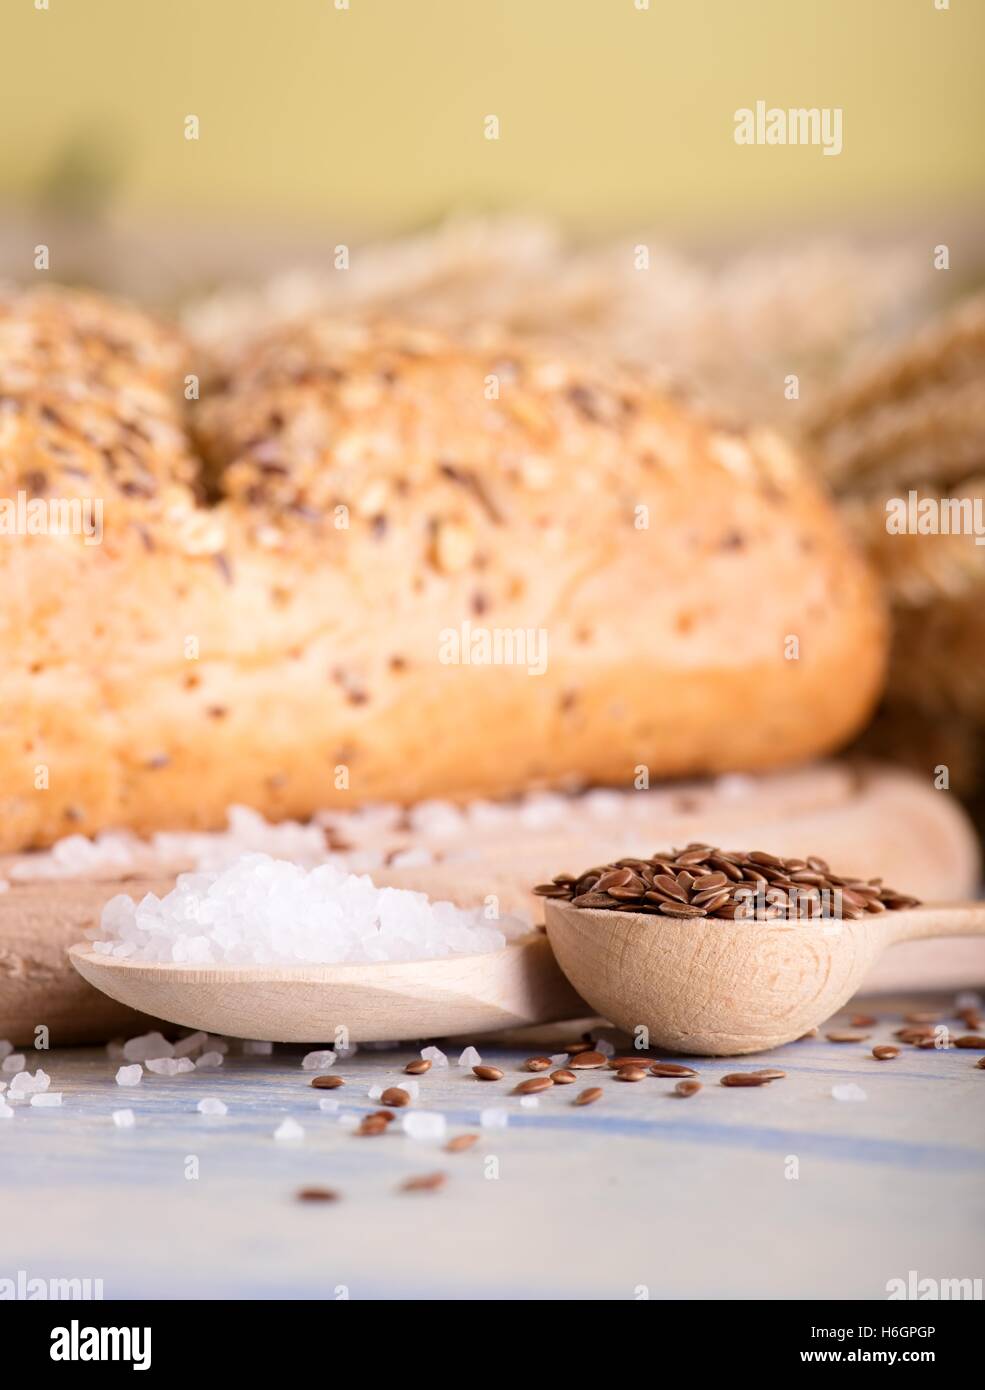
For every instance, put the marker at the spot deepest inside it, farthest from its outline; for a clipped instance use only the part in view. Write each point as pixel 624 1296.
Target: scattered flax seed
pixel 920 1018
pixel 485 1073
pixel 770 1074
pixel 745 1078
pixel 426 1182
pixel 914 1035
pixel 418 1067
pixel 980 1064
pixel 585 1060
pixel 396 1096
pixel 589 1096
pixel 460 1143
pixel 326 1083
pixel 970 1040
pixel 563 1077
pixel 687 1088
pixel 372 1124
pixel 317 1194
pixel 885 1052
pixel 531 1087
pixel 671 1069
pixel 537 1064
pixel 631 1074
pixel 614 1063
pixel 863 1021
pixel 572 1048
pixel 387 1116
pixel 840 1036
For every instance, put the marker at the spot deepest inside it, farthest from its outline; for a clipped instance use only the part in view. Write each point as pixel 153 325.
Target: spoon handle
pixel 942 919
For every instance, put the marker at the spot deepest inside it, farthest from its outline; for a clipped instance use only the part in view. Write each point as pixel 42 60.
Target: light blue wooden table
pixel 641 1193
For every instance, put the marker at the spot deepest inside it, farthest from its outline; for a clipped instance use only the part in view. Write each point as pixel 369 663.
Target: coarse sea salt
pixel 13 1062
pixel 124 1119
pixel 129 1076
pixel 288 1129
pixel 208 1061
pixel 529 1102
pixel 145 1046
pixel 848 1091
pixel 315 1061
pixel 470 1058
pixel 410 1084
pixel 6 1048
pixel 25 1084
pixel 6 1112
pixel 194 1042
pixel 329 1104
pixel 166 1066
pixel 494 1117
pixel 47 1100
pixel 211 1106
pixel 435 1056
pixel 264 911
pixel 257 1049
pixel 426 1125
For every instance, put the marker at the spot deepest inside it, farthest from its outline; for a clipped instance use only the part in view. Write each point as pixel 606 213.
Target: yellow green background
pixel 608 112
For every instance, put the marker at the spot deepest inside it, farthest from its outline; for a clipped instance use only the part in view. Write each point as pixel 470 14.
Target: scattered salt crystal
pixel 257 1049
pixel 411 1085
pixel 343 1050
pixel 329 1104
pixel 129 1076
pixel 216 1043
pixel 182 1065
pixel 428 1125
pixel 164 1066
pixel 375 1092
pixel 559 1059
pixel 316 1061
pixel 146 1045
pixel 6 1048
pixel 470 1058
pixel 349 1121
pixel 494 1117
pixel 13 1062
pixel 849 1091
pixel 289 1129
pixel 606 1048
pixel 194 1042
pixel 208 1060
pixel 435 1056
pixel 47 1099
pixel 529 1102
pixel 25 1084
pixel 5 1111
pixel 210 1106
pixel 124 1119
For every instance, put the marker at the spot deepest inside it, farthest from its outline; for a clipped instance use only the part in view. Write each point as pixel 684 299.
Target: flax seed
pixel 670 1069
pixel 563 1077
pixel 531 1087
pixel 687 1088
pixel 589 1096
pixel 744 1078
pixel 317 1194
pixel 460 1143
pixel 845 1037
pixel 770 1074
pixel 885 1052
pixel 863 1021
pixel 372 1124
pixel 418 1068
pixel 327 1083
pixel 396 1096
pixel 537 1064
pixel 614 1063
pixel 427 1182
pixel 631 1074
pixel 485 1073
pixel 970 1040
pixel 585 1060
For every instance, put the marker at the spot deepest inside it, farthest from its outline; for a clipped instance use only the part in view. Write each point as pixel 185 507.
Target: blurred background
pixel 341 162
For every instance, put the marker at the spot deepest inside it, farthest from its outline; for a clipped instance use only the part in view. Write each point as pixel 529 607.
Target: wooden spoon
pixel 717 987
pixel 384 1002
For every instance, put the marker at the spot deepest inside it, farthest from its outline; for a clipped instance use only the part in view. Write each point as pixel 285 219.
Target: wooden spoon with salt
pixel 717 987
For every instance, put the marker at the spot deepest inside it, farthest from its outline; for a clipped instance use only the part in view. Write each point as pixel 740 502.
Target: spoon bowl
pixel 721 988
pixel 384 1001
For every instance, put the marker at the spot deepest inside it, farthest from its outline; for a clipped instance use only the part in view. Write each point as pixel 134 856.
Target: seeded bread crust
pixel 282 563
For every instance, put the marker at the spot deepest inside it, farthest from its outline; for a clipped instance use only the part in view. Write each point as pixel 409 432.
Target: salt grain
pixel 289 1129
pixel 849 1091
pixel 375 1092
pixel 317 1061
pixel 124 1119
pixel 494 1117
pixel 13 1062
pixel 209 1060
pixel 47 1099
pixel 470 1058
pixel 559 1059
pixel 426 1125
pixel 25 1084
pixel 529 1102
pixel 349 1121
pixel 6 1048
pixel 329 1104
pixel 6 1113
pixel 257 1049
pixel 146 1045
pixel 410 1085
pixel 209 1106
pixel 129 1076
pixel 194 1042
pixel 165 1066
pixel 435 1056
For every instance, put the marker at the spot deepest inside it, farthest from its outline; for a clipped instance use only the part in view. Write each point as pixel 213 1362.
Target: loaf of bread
pixel 371 563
